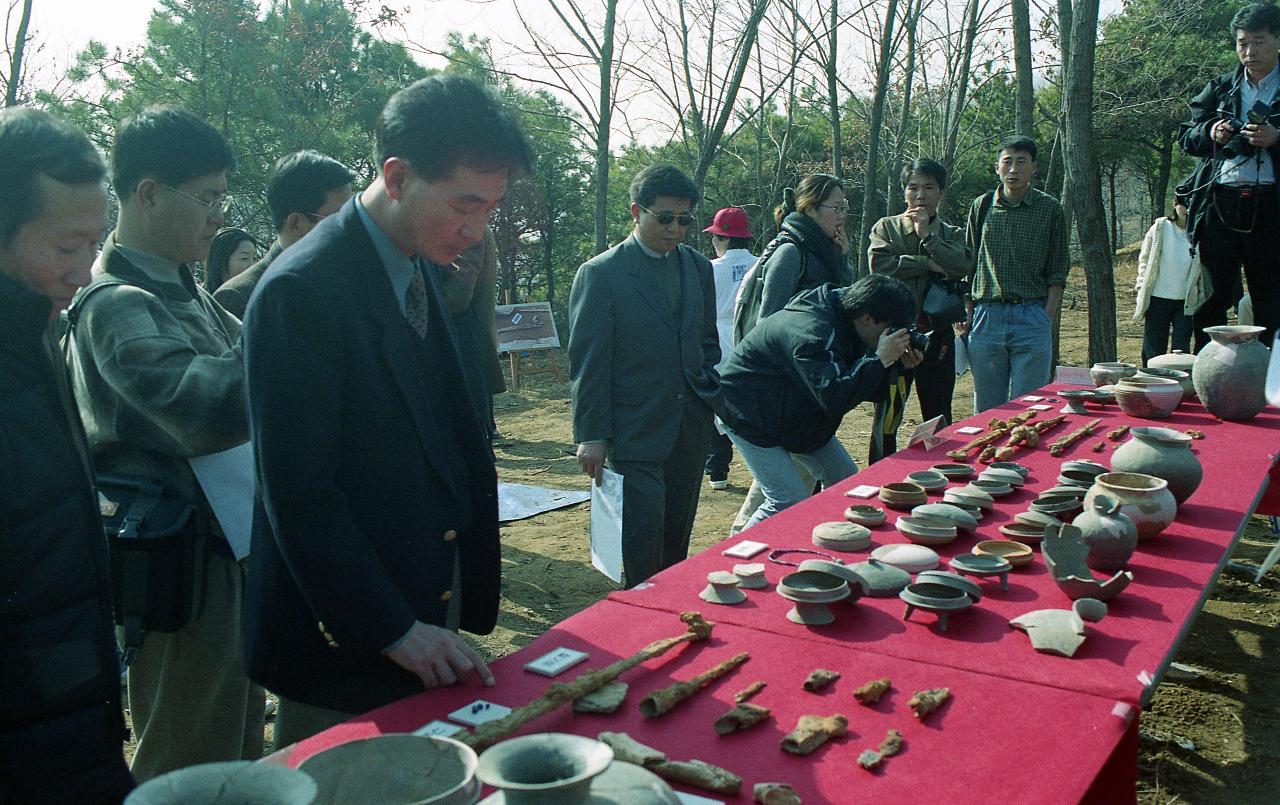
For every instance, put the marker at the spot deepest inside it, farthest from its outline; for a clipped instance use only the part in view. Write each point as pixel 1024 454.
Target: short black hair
pixel 926 167
pixel 1018 142
pixel 168 144
pixel 444 121
pixel 735 243
pixel 35 143
pixel 221 248
pixel 300 181
pixel 662 180
pixel 886 299
pixel 1256 17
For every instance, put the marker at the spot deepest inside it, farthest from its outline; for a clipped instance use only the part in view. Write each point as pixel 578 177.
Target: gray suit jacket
pixel 631 367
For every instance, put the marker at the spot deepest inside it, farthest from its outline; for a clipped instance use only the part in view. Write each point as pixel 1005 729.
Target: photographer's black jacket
pixel 1219 98
pixel 792 379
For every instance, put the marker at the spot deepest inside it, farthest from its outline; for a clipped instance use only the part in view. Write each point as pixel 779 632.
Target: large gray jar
pixel 1230 373
pixel 1164 453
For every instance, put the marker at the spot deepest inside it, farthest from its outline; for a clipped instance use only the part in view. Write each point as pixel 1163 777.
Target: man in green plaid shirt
pixel 1020 240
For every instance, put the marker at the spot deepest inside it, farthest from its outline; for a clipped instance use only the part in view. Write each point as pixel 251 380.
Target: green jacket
pixel 157 372
pixel 897 250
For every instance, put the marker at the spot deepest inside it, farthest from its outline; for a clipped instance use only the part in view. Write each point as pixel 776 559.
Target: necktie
pixel 415 302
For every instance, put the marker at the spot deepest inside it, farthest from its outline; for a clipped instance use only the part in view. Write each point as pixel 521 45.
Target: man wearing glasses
pixel 158 377
pixel 642 355
pixel 303 189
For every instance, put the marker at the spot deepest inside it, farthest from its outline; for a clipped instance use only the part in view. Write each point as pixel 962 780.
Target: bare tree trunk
pixel 961 88
pixel 869 209
pixel 1022 68
pixel 1087 198
pixel 894 203
pixel 1158 198
pixel 604 122
pixel 1111 198
pixel 15 56
pixel 833 98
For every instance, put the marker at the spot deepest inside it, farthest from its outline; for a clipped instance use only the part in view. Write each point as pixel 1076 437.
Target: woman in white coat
pixel 1164 277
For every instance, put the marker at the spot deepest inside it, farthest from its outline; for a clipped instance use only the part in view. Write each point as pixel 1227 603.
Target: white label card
pixel 1032 398
pixel 745 549
pixel 968 430
pixel 863 491
pixel 1041 407
pixel 556 661
pixel 479 712
pixel 440 728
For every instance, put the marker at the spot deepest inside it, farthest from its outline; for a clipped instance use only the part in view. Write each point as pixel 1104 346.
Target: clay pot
pixel 1148 397
pixel 1230 373
pixel 1144 499
pixel 545 767
pixel 1110 535
pixel 1107 372
pixel 903 495
pixel 371 770
pixel 1164 453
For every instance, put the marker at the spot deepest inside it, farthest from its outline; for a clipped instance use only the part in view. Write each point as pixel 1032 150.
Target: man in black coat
pixel 791 380
pixel 1234 210
pixel 61 729
pixel 375 529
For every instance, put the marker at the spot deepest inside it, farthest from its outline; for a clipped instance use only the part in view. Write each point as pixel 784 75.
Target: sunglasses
pixel 665 218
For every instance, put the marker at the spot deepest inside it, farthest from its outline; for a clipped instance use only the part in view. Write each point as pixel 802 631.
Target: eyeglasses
pixel 219 205
pixel 843 209
pixel 665 218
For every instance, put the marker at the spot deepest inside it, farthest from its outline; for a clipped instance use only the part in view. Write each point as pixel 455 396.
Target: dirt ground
pixel 1207 740
pixel 1229 713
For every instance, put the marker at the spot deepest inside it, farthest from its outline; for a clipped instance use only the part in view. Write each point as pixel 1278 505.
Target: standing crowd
pixel 349 373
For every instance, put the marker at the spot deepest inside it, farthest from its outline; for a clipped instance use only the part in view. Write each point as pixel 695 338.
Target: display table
pixel 995 738
pixel 1123 656
pixel 1021 726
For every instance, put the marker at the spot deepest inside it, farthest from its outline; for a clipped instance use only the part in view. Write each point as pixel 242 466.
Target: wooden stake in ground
pixel 660 701
pixel 559 694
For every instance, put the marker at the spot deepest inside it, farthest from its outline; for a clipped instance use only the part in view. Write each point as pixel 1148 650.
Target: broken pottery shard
pixel 819 679
pixel 692 772
pixel 776 794
pixel 749 691
pixel 812 732
pixel 871 692
pixel 606 700
pixel 925 702
pixel 892 743
pixel 742 716
pixel 870 759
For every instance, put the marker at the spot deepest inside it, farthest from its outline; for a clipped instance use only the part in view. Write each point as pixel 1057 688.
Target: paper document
pixel 227 481
pixel 606 525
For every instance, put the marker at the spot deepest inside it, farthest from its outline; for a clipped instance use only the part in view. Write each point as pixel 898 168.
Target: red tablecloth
pixel 982 743
pixel 1123 653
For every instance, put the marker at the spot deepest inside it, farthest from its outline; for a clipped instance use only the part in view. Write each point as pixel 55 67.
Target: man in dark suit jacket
pixel 642 354
pixel 304 188
pixel 375 529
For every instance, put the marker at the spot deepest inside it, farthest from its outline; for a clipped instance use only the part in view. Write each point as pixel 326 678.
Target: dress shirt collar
pixel 647 250
pixel 399 266
pixel 160 269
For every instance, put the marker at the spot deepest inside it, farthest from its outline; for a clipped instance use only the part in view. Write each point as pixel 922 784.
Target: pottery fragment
pixel 819 678
pixel 924 702
pixel 872 692
pixel 605 700
pixel 812 732
pixel 776 794
pixel 870 759
pixel 741 717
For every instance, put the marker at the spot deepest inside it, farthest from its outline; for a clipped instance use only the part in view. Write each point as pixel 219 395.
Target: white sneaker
pixel 720 485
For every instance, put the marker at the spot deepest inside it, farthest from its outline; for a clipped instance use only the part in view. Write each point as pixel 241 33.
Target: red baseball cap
pixel 730 222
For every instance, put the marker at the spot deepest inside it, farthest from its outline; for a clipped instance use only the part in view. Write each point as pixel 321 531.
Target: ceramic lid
pixel 1182 361
pixel 911 558
pixel 857 583
pixel 841 532
pixel 881 580
pixel 953 580
pixel 980 563
pixel 947 511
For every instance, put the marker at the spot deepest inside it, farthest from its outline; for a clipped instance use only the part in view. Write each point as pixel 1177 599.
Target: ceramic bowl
pixel 858 586
pixel 1013 479
pixel 864 514
pixel 956 472
pixel 1083 465
pixel 1010 465
pixel 968 496
pixel 1064 507
pixel 881 580
pixel 979 564
pixel 958 517
pixel 1015 553
pixel 1021 532
pixel 972 509
pixel 1066 490
pixel 372 769
pixel 927 479
pixel 1080 478
pixel 911 558
pixel 926 530
pixel 902 495
pixel 1032 517
pixel 1183 378
pixel 993 488
pixel 1108 372
pixel 811 585
pixel 1148 397
pixel 953 580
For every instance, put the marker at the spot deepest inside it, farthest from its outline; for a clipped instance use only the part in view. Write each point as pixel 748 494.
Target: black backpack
pixel 746 310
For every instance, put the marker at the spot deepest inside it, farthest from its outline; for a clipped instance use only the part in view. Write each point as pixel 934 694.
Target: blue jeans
pixel 778 478
pixel 1010 351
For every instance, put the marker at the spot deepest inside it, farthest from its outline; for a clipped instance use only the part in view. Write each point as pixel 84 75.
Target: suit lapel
pixel 645 283
pixel 691 290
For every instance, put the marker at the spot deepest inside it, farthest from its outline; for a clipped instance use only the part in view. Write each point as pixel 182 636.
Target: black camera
pixel 919 340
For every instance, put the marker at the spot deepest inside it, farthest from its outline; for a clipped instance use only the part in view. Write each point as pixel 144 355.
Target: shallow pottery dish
pixel 1031 517
pixel 911 558
pixel 982 565
pixel 1081 465
pixel 995 489
pixel 927 479
pixel 864 514
pixel 1016 553
pixel 1010 465
pixel 1022 532
pixel 967 496
pixel 1064 507
pixel 924 530
pixel 956 472
pixel 1066 490
pixel 998 475
pixel 903 495
pixel 958 517
pixel 1080 478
